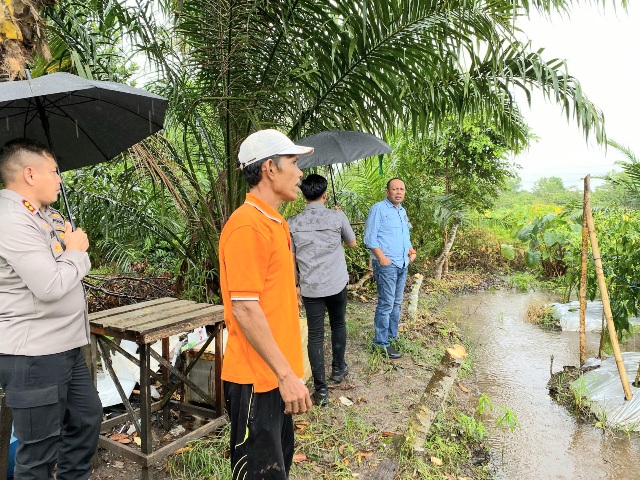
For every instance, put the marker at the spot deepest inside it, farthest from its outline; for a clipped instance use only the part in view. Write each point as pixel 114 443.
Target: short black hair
pixel 10 156
pixel 313 186
pixel 253 172
pixel 392 179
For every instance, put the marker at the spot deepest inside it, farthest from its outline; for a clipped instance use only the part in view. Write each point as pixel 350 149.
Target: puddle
pixel 512 363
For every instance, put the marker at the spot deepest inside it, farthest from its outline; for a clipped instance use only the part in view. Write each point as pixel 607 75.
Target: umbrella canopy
pixel 337 146
pixel 83 121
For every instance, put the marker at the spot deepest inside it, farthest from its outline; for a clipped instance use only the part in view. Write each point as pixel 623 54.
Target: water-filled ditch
pixel 511 366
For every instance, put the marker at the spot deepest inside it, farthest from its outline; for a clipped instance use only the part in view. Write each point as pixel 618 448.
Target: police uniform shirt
pixel 43 305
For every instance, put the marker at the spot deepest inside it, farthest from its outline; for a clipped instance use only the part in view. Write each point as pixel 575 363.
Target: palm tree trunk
pixel 22 34
pixel 446 251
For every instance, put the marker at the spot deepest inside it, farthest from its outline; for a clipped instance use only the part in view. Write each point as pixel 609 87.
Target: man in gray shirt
pixel 43 321
pixel 317 235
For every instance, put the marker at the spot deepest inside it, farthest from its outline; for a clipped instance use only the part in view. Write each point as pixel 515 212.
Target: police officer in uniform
pixel 44 321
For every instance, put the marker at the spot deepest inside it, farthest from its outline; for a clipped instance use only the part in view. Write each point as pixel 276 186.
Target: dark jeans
pixel 261 433
pixel 336 305
pixel 56 414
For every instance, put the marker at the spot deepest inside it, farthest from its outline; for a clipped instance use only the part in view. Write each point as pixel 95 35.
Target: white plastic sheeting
pixel 569 316
pixel 127 372
pixel 128 375
pixel 603 389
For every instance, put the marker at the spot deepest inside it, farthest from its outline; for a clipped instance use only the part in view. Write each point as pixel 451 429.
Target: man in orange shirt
pixel 262 366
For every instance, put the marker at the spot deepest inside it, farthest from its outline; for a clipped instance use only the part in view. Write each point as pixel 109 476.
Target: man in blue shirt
pixel 386 234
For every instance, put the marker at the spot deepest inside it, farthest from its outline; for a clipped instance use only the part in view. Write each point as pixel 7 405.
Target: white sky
pixel 601 51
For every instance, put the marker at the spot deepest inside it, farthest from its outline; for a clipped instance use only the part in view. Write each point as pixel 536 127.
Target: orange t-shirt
pixel 256 264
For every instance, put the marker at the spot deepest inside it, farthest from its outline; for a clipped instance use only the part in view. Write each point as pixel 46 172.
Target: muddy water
pixel 512 361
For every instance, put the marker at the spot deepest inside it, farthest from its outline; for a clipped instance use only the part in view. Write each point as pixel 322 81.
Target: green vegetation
pixel 434 79
pixel 542 314
pixel 204 458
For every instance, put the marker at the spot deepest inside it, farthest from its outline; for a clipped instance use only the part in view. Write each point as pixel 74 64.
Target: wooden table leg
pixel 166 410
pixel 218 370
pixel 146 436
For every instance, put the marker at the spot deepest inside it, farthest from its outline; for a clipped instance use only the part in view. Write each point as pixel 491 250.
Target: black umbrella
pixel 83 121
pixel 340 146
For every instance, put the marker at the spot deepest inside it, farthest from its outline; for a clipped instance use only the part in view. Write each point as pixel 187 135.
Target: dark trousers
pixel 336 305
pixel 261 433
pixel 56 414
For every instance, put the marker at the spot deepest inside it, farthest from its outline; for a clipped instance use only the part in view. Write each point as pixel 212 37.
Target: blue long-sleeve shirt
pixel 387 227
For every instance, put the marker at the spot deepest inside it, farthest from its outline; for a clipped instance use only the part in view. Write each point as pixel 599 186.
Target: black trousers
pixel 261 433
pixel 336 305
pixel 56 414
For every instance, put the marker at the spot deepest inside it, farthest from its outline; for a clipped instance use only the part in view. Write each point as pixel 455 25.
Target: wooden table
pixel 146 323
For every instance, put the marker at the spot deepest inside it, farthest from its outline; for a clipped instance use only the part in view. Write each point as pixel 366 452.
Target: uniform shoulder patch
pixel 29 206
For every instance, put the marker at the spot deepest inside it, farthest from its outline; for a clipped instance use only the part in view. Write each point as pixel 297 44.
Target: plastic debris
pixel 603 390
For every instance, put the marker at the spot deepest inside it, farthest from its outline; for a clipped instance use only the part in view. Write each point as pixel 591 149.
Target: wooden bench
pixel 145 323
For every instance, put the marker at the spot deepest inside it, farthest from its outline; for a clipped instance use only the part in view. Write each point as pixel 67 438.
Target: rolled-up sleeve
pixel 28 252
pixel 371 228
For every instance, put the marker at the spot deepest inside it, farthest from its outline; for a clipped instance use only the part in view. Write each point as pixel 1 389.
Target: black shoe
pixel 392 353
pixel 338 375
pixel 321 397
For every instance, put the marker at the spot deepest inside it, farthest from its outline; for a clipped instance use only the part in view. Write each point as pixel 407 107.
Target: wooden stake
pixel 603 329
pixel 604 293
pixel 583 273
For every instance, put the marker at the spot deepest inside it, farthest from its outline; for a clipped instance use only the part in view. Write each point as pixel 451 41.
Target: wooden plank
pixel 128 308
pixel 187 324
pixel 146 460
pixel 169 318
pixel 112 422
pixel 214 311
pixel 122 450
pixel 122 321
pixel 197 410
pixel 200 432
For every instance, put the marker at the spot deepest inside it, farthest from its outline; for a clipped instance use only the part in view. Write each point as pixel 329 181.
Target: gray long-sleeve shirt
pixel 317 235
pixel 43 308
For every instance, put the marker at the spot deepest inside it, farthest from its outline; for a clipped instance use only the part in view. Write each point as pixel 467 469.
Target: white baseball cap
pixel 267 143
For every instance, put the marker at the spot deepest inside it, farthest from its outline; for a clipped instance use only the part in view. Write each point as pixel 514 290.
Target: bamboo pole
pixel 583 273
pixel 604 293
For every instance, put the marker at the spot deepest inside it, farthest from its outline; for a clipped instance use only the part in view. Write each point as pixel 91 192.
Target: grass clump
pixel 455 449
pixel 206 458
pixel 542 314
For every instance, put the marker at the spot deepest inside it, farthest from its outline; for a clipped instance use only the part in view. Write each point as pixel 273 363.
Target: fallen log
pixel 361 282
pixel 434 395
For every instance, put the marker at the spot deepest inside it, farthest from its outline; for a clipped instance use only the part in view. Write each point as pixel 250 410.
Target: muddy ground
pixel 361 430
